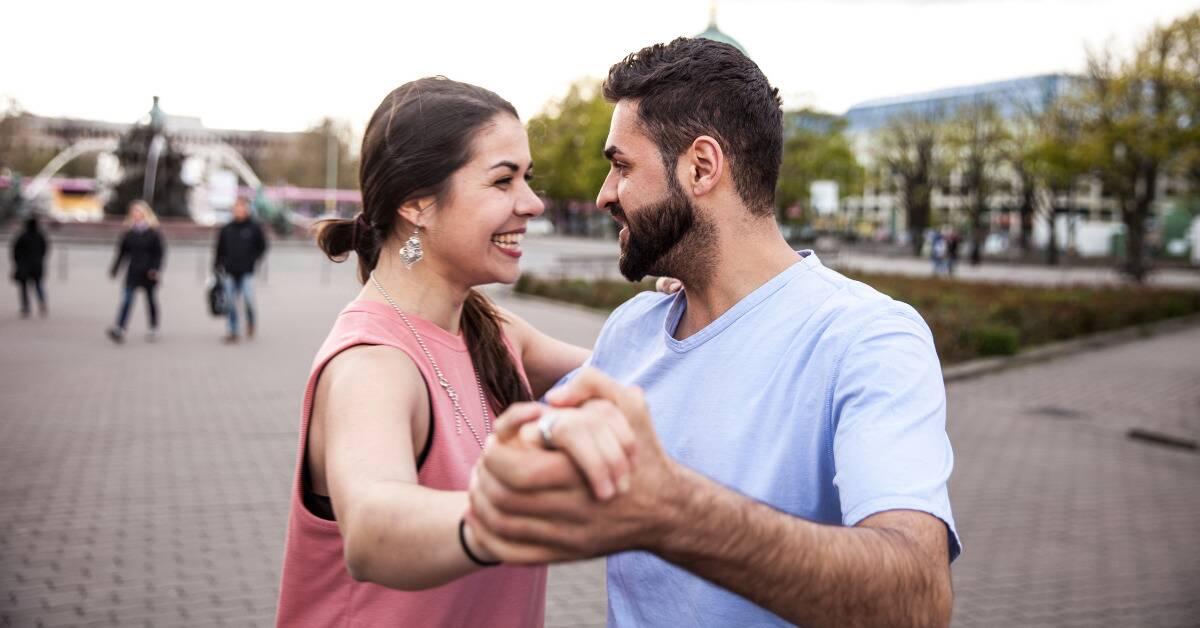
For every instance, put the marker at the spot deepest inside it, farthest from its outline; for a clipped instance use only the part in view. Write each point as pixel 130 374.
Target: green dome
pixel 715 34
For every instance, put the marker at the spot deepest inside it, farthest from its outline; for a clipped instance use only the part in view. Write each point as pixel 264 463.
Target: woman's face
pixel 475 231
pixel 136 215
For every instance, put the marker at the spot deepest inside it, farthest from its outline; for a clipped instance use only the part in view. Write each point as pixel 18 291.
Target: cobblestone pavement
pixel 147 484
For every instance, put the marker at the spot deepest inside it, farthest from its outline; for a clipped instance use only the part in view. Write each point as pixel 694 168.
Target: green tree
pixel 1187 68
pixel 907 148
pixel 815 148
pixel 567 142
pixel 1138 127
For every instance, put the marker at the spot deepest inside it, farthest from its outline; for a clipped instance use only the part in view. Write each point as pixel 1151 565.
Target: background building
pixel 1087 218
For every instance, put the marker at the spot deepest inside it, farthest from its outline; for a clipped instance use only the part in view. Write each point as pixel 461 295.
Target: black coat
pixel 29 255
pixel 144 250
pixel 239 247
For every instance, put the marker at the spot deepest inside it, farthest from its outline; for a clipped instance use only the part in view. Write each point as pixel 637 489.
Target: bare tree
pixel 302 161
pixel 1053 159
pixel 907 148
pixel 1022 138
pixel 975 136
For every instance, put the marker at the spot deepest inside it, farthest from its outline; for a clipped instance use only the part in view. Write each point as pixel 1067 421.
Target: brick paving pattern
pixel 147 484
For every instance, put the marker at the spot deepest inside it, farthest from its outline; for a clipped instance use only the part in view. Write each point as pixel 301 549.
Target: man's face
pixel 655 214
pixel 240 212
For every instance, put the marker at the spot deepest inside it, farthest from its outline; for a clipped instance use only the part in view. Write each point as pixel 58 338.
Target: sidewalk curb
pixel 1053 351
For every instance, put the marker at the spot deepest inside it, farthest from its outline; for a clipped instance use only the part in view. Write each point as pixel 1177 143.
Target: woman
pixel 401 395
pixel 142 246
pixel 29 254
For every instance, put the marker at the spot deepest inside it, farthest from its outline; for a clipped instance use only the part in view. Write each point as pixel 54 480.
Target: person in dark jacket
pixel 952 242
pixel 240 245
pixel 142 247
pixel 29 254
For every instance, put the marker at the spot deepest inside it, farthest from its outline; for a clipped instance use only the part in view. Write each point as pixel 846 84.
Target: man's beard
pixel 661 235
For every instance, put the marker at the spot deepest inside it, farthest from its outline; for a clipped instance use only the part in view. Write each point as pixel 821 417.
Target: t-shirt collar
pixel 808 261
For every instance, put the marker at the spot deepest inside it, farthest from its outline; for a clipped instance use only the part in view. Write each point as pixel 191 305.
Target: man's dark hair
pixel 694 87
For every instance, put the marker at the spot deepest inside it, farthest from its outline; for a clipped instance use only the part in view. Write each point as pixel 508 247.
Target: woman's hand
pixel 596 436
pixel 668 285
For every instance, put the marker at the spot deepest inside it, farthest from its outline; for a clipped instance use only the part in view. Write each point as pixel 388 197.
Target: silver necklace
pixel 460 417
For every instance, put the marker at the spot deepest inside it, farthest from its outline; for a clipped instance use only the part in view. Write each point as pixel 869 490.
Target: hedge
pixel 968 319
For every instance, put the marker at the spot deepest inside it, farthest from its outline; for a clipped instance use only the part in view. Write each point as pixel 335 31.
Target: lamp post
pixel 331 168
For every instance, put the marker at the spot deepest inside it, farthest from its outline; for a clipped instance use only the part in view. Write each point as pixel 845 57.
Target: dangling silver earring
pixel 411 252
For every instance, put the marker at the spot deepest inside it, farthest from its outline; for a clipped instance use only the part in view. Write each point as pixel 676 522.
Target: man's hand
pixel 532 505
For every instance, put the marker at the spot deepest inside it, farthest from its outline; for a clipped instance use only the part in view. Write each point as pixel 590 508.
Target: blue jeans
pixel 235 285
pixel 127 302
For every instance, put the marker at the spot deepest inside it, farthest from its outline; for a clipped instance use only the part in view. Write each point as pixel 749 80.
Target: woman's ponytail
pixel 337 238
pixel 498 372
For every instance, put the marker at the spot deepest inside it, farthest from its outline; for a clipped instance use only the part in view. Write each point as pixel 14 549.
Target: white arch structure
pixel 82 147
pixel 221 152
pixel 229 155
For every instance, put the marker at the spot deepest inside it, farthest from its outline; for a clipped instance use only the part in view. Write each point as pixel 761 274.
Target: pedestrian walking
pixel 142 249
pixel 239 247
pixel 952 242
pixel 29 250
pixel 937 252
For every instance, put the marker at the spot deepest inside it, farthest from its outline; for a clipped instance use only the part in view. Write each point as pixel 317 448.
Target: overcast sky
pixel 283 65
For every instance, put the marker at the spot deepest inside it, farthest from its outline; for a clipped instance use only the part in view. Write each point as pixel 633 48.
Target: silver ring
pixel 546 426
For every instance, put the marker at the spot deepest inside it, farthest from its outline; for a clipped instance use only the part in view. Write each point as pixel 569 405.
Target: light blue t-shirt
pixel 814 394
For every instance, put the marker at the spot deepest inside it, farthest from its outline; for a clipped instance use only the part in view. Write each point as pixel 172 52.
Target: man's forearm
pixel 807 573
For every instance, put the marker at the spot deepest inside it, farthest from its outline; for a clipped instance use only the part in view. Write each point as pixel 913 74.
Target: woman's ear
pixel 414 211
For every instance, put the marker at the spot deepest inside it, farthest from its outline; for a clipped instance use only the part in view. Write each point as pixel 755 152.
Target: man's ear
pixel 705 165
pixel 414 211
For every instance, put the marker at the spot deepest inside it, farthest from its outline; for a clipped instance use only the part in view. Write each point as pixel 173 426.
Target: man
pixel 240 244
pixel 795 469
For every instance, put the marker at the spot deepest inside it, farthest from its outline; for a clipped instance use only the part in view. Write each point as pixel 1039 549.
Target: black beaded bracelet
pixel 462 540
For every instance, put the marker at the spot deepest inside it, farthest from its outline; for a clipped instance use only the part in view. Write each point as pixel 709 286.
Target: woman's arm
pixel 122 251
pixel 546 360
pixel 159 251
pixel 396 533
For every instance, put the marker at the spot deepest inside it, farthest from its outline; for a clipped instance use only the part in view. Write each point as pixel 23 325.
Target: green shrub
pixel 995 340
pixel 968 320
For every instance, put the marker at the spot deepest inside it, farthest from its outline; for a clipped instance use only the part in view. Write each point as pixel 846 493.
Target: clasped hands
pixel 605 487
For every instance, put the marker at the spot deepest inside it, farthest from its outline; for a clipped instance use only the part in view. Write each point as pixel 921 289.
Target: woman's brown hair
pixel 418 137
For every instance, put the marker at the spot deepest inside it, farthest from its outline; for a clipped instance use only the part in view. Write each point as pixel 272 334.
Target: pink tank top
pixel 316 589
